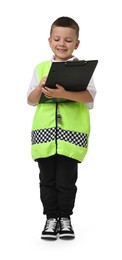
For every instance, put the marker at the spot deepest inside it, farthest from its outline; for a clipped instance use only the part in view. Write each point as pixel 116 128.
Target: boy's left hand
pixel 58 92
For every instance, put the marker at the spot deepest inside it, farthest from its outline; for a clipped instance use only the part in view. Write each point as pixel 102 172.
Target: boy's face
pixel 63 41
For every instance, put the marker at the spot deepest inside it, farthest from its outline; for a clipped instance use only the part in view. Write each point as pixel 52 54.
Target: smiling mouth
pixel 62 50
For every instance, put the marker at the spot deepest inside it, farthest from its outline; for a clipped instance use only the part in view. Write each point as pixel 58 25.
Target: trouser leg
pixel 66 177
pixel 48 191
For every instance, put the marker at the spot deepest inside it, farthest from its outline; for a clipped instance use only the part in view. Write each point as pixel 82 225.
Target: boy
pixel 60 133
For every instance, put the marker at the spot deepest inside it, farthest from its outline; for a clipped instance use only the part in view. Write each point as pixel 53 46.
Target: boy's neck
pixel 71 57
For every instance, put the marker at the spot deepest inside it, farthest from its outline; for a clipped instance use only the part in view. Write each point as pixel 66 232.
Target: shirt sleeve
pixel 33 84
pixel 92 90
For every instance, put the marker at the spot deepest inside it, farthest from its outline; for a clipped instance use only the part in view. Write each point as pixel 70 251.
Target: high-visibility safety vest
pixel 61 128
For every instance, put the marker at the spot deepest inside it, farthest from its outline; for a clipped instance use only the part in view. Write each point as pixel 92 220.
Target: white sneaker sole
pixel 49 237
pixel 67 236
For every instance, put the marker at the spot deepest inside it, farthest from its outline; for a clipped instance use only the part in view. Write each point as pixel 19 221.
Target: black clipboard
pixel 72 75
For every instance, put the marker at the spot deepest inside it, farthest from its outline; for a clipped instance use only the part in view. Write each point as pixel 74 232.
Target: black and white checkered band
pixel 43 135
pixel 50 134
pixel 76 138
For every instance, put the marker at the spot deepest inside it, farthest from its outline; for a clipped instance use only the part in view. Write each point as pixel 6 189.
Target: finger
pixel 44 90
pixel 59 86
pixel 48 89
pixel 48 96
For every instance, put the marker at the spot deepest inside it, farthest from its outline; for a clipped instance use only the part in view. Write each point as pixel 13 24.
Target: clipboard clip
pixel 75 63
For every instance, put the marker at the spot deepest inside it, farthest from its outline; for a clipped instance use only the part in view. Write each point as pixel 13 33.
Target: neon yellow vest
pixel 67 136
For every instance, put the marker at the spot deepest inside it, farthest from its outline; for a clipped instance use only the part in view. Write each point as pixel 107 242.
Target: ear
pixel 49 40
pixel 77 44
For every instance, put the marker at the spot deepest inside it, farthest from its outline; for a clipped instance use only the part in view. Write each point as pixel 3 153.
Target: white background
pixel 97 218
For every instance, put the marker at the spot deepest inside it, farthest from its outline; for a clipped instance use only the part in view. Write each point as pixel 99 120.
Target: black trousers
pixel 58 175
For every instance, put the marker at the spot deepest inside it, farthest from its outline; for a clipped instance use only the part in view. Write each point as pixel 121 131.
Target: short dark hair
pixel 65 21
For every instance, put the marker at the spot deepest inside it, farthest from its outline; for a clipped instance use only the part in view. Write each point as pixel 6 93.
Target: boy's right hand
pixel 42 83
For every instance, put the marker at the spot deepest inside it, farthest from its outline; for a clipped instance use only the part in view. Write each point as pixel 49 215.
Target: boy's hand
pixel 59 92
pixel 42 83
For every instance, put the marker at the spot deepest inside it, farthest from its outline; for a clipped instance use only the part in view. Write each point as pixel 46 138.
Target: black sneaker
pixel 50 230
pixel 66 230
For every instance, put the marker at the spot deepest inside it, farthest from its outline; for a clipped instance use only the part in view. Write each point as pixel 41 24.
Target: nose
pixel 62 42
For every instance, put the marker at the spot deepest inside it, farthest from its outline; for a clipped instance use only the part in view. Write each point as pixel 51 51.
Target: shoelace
pixel 50 224
pixel 65 224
